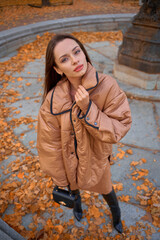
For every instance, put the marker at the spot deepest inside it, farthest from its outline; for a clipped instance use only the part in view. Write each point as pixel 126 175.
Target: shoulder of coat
pixel 59 85
pixel 49 94
pixel 46 104
pixel 108 80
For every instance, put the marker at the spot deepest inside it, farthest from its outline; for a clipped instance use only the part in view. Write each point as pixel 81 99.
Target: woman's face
pixel 70 59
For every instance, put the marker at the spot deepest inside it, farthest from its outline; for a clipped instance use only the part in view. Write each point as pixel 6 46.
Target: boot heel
pixel 119 227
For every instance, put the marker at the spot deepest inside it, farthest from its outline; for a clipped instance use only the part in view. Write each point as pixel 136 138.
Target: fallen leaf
pixel 125 198
pixel 129 151
pixel 20 175
pixel 147 217
pixel 60 228
pixel 28 84
pixel 19 79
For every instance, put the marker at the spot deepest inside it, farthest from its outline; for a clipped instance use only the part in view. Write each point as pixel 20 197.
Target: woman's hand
pixel 82 98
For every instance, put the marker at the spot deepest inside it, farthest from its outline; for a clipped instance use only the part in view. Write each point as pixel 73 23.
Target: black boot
pixel 77 209
pixel 112 201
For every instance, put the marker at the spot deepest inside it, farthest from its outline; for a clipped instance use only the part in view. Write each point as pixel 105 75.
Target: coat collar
pixel 61 101
pixel 90 79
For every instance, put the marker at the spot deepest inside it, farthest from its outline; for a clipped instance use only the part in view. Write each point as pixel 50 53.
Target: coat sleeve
pixel 49 146
pixel 112 122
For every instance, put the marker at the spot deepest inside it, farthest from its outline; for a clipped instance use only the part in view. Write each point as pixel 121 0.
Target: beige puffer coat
pixel 74 147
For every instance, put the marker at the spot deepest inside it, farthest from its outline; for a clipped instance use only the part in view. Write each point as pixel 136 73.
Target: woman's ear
pixel 58 70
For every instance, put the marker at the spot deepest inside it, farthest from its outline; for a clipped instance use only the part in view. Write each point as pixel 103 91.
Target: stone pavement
pixel 143 137
pixel 8 233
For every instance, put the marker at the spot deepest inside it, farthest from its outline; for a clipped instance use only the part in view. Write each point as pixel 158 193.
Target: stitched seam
pixel 79 114
pixel 96 83
pixel 91 124
pixel 90 101
pixel 75 140
pixel 52 105
pixel 86 115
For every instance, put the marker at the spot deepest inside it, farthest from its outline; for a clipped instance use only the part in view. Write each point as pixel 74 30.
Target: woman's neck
pixel 74 83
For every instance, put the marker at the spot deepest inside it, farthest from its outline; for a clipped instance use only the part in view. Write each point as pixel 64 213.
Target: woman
pixel 82 115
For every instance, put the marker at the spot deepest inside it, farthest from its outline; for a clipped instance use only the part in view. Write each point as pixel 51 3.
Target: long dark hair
pixel 51 76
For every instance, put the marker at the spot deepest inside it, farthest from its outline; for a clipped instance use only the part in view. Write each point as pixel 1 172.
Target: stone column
pixel 138 60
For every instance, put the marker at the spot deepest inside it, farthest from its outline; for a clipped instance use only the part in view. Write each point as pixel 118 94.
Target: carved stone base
pixel 139 53
pixel 135 77
pixel 141 47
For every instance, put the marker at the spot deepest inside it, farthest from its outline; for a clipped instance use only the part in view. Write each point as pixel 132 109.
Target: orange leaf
pixel 134 163
pixel 60 228
pixel 129 151
pixel 94 211
pixel 60 210
pixel 138 188
pixel 125 198
pixel 19 79
pixel 86 195
pixel 121 154
pixel 28 84
pixel 31 126
pixel 118 186
pixel 20 175
pixel 143 160
pixel 49 223
pixel 17 112
pixel 98 221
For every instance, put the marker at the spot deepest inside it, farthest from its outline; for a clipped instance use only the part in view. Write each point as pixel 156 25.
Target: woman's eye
pixel 64 60
pixel 77 51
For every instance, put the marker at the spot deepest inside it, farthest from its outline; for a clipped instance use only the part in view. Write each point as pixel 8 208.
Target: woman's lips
pixel 78 68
